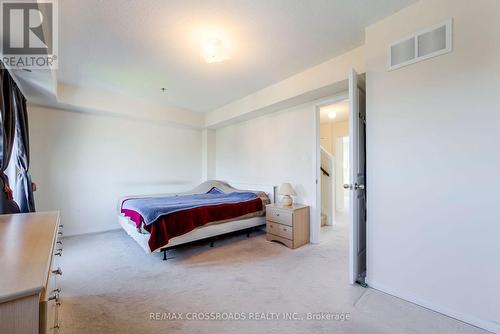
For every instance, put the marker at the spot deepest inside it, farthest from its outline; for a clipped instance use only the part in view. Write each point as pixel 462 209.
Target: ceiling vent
pixel 423 45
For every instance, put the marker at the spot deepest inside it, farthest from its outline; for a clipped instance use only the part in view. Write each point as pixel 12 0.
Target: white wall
pixel 339 130
pixel 271 149
pixel 208 154
pixel 82 163
pixel 433 162
pixel 325 139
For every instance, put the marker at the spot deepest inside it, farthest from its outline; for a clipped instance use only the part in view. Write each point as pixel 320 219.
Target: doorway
pixel 344 146
pixel 334 151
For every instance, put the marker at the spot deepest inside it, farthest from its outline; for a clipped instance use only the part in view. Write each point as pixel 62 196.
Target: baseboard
pixel 92 232
pixel 471 320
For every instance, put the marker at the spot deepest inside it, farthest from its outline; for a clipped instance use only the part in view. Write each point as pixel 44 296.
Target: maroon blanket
pixel 181 222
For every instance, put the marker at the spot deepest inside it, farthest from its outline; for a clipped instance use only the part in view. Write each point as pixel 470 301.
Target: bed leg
pixel 211 244
pixel 164 255
pixel 248 234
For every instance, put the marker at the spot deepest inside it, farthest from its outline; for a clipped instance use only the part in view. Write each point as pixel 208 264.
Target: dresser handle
pixel 59 253
pixel 58 271
pixel 277 215
pixel 59 242
pixel 55 297
pixel 59 233
pixel 58 291
pixel 284 229
pixel 61 225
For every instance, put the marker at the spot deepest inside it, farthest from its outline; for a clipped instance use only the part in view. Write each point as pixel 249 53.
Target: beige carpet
pixel 111 286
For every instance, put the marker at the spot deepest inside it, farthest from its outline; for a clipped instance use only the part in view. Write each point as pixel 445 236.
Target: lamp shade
pixel 286 189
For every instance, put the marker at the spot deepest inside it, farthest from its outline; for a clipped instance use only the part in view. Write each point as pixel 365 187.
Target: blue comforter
pixel 152 208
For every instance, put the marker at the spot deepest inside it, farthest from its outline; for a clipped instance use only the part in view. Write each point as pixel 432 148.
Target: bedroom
pixel 152 98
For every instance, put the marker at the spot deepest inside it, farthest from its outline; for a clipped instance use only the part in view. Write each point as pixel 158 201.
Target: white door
pixel 356 185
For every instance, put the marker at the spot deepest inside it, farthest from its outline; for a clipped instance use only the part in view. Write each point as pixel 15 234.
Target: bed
pixel 212 209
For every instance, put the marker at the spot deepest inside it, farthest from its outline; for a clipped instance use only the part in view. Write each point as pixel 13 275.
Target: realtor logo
pixel 29 34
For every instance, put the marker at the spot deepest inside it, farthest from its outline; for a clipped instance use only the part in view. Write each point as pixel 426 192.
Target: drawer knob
pixel 58 271
pixel 277 215
pixel 55 297
pixel 284 229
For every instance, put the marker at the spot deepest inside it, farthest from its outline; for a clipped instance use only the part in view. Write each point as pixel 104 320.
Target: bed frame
pixel 209 232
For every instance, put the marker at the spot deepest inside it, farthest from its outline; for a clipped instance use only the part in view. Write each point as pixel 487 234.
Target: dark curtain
pixel 7 133
pixel 24 190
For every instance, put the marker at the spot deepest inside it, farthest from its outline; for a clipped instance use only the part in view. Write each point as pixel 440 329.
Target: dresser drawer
pixel 279 216
pixel 284 231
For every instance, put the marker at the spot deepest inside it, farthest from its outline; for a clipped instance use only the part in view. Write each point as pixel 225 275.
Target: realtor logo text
pixel 251 316
pixel 29 32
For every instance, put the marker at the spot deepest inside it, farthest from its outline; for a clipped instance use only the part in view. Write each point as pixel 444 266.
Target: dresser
pixel 29 252
pixel 288 225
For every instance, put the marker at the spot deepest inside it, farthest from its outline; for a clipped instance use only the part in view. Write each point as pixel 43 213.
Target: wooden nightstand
pixel 288 224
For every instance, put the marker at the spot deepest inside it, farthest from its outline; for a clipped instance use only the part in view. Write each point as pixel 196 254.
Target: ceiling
pixel 136 47
pixel 341 109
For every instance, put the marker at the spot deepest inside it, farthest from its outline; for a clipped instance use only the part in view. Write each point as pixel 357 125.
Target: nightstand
pixel 288 225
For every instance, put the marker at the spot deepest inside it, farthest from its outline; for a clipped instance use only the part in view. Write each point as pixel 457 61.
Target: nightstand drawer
pixel 280 216
pixel 284 241
pixel 284 231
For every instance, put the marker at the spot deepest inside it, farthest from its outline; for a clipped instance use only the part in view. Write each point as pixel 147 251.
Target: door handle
pixel 347 186
pixel 359 186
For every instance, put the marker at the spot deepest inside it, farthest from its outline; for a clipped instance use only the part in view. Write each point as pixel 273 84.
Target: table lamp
pixel 286 190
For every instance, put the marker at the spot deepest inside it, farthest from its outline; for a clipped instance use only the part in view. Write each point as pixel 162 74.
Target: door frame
pixel 316 172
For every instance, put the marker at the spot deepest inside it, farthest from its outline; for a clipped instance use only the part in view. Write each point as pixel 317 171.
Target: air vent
pixel 403 52
pixel 420 46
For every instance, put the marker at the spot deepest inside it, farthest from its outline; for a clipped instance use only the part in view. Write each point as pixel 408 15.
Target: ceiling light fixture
pixel 213 50
pixel 332 115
